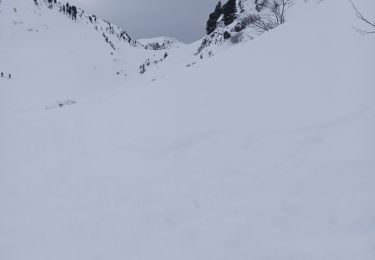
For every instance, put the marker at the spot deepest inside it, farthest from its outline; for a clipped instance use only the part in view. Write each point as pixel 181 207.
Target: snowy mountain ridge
pixel 52 25
pixel 85 50
pixel 116 34
pixel 247 19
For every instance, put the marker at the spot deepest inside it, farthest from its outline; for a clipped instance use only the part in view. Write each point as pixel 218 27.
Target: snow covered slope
pixel 53 58
pixel 265 151
pixel 251 18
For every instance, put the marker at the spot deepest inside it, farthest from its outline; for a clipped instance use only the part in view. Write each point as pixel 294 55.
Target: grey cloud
pixel 182 19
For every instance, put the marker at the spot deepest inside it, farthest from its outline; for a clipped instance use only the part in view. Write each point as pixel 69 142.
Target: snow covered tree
pixel 260 4
pixel 279 8
pixel 229 11
pixel 365 20
pixel 213 17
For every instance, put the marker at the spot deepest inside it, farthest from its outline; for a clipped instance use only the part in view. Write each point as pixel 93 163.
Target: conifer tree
pixel 211 24
pixel 213 17
pixel 74 12
pixel 68 8
pixel 229 11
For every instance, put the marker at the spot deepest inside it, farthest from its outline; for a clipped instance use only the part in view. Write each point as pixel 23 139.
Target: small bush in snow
pixel 260 24
pixel 237 37
pixel 227 35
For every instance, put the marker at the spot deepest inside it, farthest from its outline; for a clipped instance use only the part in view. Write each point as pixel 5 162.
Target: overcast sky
pixel 182 19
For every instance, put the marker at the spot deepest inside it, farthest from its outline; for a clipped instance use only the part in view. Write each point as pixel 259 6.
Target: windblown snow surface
pixel 264 151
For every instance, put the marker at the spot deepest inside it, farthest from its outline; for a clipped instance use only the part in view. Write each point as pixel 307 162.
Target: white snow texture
pixel 266 150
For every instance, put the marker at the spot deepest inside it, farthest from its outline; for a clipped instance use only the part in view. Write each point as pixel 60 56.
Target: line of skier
pixel 3 75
